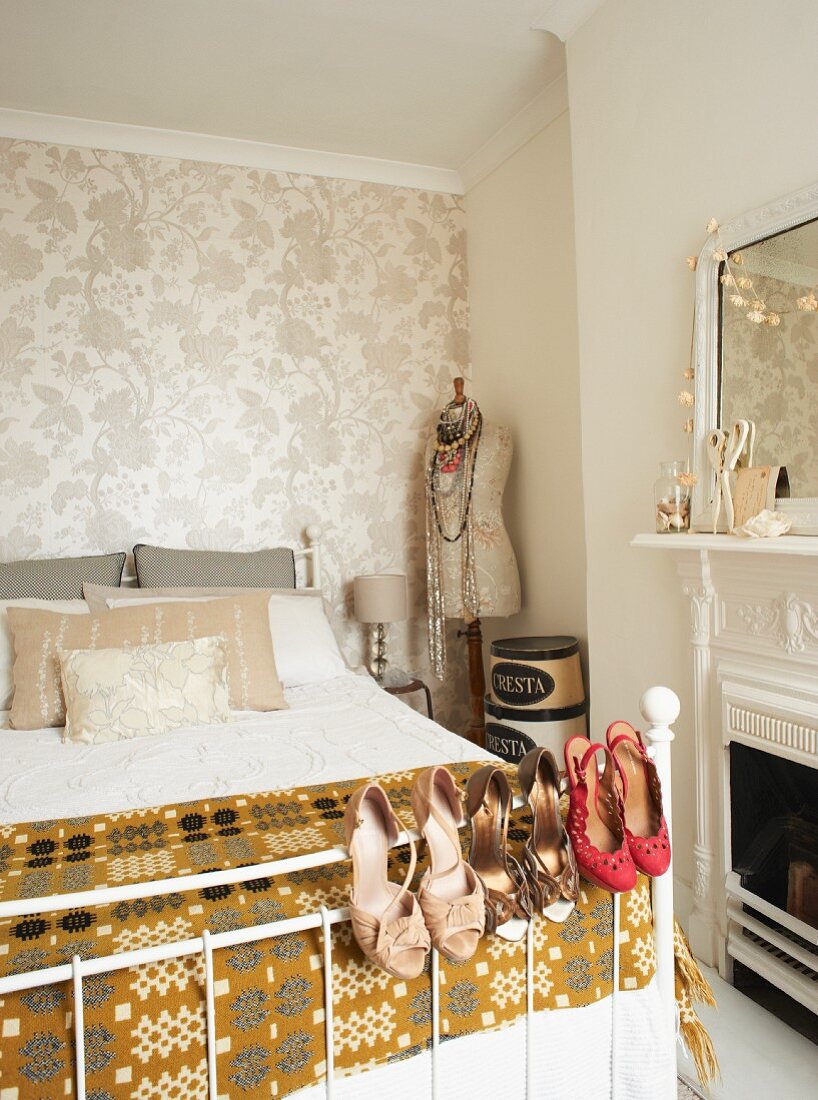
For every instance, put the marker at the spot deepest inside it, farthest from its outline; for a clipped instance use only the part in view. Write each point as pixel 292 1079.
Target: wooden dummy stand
pixel 474 640
pixel 477 681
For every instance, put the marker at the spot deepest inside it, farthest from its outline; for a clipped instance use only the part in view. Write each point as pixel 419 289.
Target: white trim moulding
pixel 564 17
pixel 543 109
pixel 182 144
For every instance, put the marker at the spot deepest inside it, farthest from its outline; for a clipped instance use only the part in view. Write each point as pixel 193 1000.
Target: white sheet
pixel 343 728
pixel 572 1059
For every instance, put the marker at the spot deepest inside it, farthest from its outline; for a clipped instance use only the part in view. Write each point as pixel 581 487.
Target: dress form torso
pixel 498 579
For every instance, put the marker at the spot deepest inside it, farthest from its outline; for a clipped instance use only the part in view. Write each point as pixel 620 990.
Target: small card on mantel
pixel 756 489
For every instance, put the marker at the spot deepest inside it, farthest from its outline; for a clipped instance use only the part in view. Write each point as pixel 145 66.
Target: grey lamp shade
pixel 380 598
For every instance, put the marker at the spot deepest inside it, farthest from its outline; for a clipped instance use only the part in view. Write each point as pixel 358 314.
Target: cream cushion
pixel 67 607
pixel 114 694
pixel 39 635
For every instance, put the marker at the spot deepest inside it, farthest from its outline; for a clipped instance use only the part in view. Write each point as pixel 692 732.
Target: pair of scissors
pixel 734 446
pixel 724 452
pixel 716 444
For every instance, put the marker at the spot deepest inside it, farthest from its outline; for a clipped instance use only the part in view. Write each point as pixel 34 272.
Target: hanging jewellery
pixel 449 517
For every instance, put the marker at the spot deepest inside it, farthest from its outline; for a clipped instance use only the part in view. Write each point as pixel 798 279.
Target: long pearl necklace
pixel 449 518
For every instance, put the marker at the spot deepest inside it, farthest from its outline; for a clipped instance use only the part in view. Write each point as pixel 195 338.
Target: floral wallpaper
pixel 210 356
pixel 770 375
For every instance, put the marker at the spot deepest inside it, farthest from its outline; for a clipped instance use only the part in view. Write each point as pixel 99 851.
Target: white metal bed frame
pixel 659 707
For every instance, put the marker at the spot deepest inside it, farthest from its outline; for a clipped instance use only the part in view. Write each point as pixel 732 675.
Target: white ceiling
pixel 420 81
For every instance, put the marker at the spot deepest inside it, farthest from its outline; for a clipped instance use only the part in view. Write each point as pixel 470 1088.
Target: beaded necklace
pixel 449 488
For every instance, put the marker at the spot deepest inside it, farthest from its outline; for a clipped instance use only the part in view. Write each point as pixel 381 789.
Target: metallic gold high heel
pixel 548 857
pixel 386 919
pixel 508 905
pixel 450 893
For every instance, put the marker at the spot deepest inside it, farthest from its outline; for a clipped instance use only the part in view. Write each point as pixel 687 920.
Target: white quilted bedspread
pixel 339 729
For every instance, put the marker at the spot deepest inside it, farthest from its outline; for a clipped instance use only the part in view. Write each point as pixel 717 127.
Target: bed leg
pixel 79 1027
pixel 329 1037
pixel 529 1010
pixel 660 708
pixel 210 1017
pixel 435 979
pixel 614 990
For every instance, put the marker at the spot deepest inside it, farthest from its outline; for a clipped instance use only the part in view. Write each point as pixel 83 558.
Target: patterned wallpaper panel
pixel 209 356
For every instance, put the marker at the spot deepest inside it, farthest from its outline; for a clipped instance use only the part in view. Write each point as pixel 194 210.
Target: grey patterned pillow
pixel 162 567
pixel 57 578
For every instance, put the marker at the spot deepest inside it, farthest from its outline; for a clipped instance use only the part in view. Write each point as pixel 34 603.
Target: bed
pixel 338 730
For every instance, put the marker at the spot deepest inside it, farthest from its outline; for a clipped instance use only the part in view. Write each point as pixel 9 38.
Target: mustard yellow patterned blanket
pixel 145 1026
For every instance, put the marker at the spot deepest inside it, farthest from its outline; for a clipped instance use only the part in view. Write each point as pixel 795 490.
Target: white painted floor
pixel 761 1058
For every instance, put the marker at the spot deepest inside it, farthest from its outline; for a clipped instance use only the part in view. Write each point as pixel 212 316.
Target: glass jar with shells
pixel 672 498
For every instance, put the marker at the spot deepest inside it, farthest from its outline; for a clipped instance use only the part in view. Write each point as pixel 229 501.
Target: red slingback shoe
pixel 645 825
pixel 595 823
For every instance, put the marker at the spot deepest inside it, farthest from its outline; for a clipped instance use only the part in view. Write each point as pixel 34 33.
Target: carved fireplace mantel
pixel 754 637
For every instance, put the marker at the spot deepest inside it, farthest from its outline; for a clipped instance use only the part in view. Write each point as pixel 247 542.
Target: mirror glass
pixel 769 350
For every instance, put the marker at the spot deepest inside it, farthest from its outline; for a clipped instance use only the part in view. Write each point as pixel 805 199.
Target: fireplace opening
pixel 774 842
pixel 774 830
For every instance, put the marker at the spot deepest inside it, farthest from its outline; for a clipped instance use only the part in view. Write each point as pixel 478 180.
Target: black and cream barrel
pixel 536 695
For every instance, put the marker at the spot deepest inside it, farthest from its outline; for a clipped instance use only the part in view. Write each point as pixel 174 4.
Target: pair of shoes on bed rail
pixel 547 880
pixel 615 819
pixel 393 927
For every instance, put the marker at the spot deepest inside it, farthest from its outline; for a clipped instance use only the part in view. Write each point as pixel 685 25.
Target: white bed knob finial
pixel 314 532
pixel 660 706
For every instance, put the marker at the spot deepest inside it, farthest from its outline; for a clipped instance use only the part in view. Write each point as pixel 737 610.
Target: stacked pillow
pixel 41 636
pixel 305 648
pixel 128 661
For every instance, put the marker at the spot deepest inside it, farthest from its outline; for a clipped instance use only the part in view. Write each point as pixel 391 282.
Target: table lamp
pixel 381 598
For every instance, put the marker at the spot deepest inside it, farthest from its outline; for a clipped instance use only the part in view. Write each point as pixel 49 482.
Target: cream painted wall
pixel 525 367
pixel 679 113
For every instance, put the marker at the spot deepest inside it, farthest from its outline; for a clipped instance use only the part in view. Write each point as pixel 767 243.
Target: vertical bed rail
pixel 329 1006
pixel 660 708
pixel 79 1027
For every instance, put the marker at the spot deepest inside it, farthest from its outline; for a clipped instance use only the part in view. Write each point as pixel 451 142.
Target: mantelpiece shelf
pixel 796 545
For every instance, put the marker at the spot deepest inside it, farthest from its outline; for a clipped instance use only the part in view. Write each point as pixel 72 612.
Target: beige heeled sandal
pixel 450 893
pixel 386 919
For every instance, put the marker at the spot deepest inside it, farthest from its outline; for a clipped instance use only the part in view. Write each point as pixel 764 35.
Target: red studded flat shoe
pixel 645 826
pixel 595 823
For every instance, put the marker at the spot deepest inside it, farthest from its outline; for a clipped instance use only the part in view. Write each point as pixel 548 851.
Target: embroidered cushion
pixel 39 635
pixel 114 694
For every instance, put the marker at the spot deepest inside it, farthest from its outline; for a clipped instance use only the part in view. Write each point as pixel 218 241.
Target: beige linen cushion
pixel 38 636
pixel 69 607
pixel 114 694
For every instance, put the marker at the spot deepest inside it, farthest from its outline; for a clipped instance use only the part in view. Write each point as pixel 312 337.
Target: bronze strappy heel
pixel 508 908
pixel 450 893
pixel 548 857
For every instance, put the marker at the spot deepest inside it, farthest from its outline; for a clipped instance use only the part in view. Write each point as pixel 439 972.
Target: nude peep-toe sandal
pixel 450 893
pixel 548 857
pixel 488 797
pixel 386 919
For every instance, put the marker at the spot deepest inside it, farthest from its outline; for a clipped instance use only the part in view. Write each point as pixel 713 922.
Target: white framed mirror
pixel 756 348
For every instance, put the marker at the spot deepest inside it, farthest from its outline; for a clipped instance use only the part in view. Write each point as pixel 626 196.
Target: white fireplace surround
pixel 754 636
